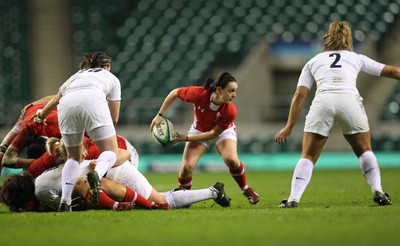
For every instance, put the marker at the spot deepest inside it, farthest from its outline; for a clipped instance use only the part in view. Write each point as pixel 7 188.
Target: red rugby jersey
pixel 204 117
pixel 32 129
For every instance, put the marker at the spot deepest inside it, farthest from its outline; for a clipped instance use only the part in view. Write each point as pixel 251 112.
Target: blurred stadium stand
pixel 158 45
pixel 14 62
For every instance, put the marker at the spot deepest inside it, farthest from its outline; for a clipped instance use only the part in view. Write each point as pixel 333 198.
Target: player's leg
pixel 312 146
pixel 185 198
pixel 133 187
pixel 106 140
pixel 74 146
pixel 227 148
pixel 109 191
pixel 191 155
pixel 361 145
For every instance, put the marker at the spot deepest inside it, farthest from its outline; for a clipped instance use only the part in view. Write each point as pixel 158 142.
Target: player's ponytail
pixel 95 60
pixel 55 145
pixel 338 37
pixel 209 84
pixel 221 81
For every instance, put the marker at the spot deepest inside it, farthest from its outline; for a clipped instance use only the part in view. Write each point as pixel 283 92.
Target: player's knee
pixel 187 169
pixel 231 162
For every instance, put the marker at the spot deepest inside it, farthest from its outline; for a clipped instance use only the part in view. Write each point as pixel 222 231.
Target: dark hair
pixel 36 147
pixel 18 193
pixel 221 81
pixel 95 60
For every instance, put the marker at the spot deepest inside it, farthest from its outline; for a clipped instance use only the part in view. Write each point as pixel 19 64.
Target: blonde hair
pixel 338 37
pixel 57 145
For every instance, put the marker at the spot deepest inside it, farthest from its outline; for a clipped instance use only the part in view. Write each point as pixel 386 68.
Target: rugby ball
pixel 164 133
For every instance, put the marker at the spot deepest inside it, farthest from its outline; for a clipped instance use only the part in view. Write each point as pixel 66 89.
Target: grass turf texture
pixel 336 209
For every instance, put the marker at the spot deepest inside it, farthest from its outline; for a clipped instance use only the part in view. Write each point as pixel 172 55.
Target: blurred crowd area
pixel 158 45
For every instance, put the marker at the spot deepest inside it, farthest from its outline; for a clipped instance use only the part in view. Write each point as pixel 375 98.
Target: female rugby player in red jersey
pixel 25 131
pixel 214 115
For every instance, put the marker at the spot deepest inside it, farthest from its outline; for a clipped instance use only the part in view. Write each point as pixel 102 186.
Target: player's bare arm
pixel 172 96
pixel 296 106
pixel 391 72
pixel 41 115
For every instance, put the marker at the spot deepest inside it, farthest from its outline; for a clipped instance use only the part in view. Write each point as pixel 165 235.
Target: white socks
pixel 303 172
pixel 183 198
pixel 68 177
pixel 370 170
pixel 105 162
pixel 301 177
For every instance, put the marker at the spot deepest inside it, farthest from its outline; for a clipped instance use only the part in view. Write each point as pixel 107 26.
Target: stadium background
pixel 158 45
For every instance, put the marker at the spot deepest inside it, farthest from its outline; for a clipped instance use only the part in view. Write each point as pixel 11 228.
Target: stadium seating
pixel 14 63
pixel 391 112
pixel 157 45
pixel 162 44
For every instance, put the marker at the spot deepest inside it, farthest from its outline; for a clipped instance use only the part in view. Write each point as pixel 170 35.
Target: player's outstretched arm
pixel 391 72
pixel 172 96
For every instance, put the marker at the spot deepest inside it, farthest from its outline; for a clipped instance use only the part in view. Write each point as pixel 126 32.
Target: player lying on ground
pixel 18 193
pixel 48 189
pixel 23 193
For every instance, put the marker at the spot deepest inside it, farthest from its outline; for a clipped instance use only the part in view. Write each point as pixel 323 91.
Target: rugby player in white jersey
pixel 336 100
pixel 89 101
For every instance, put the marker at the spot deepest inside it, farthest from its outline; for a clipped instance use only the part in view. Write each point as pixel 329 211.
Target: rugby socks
pixel 301 177
pixel 137 199
pixel 239 175
pixel 68 177
pixel 370 170
pixel 185 183
pixel 105 162
pixel 184 198
pixel 104 202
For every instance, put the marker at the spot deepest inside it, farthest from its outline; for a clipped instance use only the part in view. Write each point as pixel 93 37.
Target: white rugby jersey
pixel 97 79
pixel 337 71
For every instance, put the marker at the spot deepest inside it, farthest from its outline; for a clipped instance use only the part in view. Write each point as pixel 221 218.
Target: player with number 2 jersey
pixel 336 101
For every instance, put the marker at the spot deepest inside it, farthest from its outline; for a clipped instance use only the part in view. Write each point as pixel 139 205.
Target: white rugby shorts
pixel 345 109
pixel 83 111
pixel 128 175
pixel 229 133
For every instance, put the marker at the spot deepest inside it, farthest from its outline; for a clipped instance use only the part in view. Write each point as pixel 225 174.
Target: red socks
pixel 104 202
pixel 185 183
pixel 137 199
pixel 239 175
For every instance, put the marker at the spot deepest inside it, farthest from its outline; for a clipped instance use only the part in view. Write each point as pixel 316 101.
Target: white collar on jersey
pixel 213 106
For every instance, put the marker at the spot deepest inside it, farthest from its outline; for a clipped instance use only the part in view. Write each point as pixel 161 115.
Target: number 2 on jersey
pixel 337 58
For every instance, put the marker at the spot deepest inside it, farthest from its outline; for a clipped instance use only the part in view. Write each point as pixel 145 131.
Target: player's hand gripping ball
pixel 164 133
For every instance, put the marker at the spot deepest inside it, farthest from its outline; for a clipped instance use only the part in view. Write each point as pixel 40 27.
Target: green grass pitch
pixel 336 209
